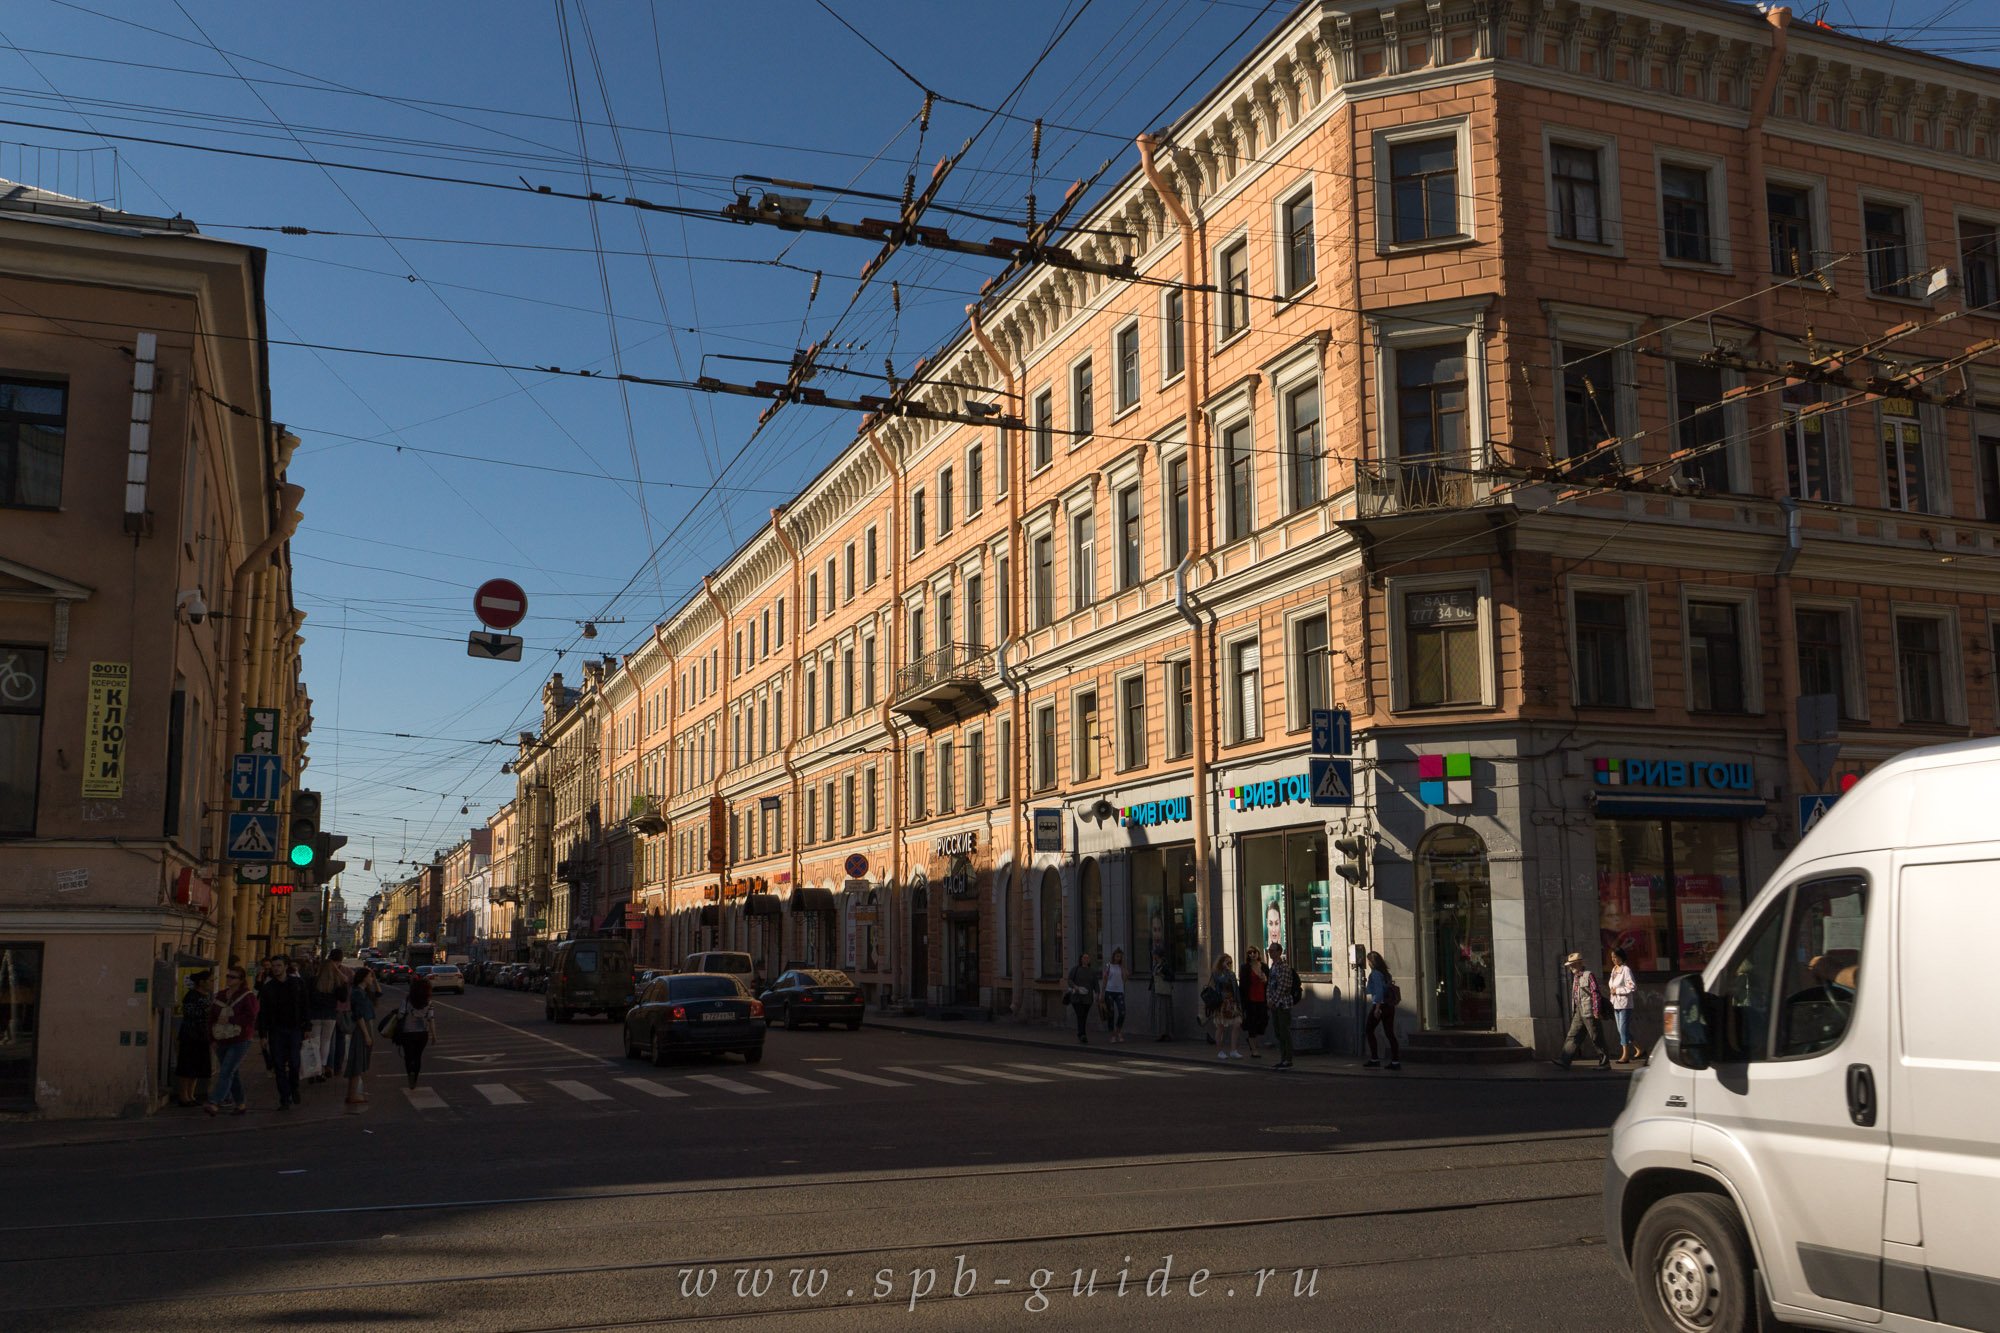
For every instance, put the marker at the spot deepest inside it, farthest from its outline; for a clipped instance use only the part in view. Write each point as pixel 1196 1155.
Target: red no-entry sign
pixel 500 604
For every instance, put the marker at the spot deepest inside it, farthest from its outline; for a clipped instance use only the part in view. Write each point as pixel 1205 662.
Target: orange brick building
pixel 1482 373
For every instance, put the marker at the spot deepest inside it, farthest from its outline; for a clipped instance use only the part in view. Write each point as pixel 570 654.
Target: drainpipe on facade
pixel 722 717
pixel 242 630
pixel 785 753
pixel 894 768
pixel 1193 321
pixel 1016 595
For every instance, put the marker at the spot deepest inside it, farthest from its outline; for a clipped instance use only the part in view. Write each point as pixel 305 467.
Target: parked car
pixel 592 976
pixel 814 995
pixel 695 1012
pixel 726 961
pixel 444 977
pixel 510 976
pixel 1815 1139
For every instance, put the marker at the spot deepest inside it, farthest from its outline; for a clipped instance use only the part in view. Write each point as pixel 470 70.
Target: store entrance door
pixel 920 945
pixel 965 960
pixel 1455 931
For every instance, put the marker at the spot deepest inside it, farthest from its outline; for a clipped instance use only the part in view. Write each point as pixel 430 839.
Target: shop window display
pixel 1284 897
pixel 1165 915
pixel 1668 890
pixel 1456 930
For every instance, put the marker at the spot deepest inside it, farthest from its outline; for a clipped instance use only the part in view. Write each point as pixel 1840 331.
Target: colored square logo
pixel 1609 773
pixel 1430 767
pixel 1431 792
pixel 1458 791
pixel 1458 766
pixel 1445 779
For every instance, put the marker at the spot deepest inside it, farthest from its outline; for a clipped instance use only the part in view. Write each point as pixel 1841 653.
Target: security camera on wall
pixel 194 605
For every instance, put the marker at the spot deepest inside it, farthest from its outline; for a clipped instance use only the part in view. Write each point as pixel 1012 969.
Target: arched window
pixel 1051 904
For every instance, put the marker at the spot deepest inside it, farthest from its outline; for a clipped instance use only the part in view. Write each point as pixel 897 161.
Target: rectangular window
pixel 1083 561
pixel 1003 598
pixel 1003 773
pixel 1441 648
pixel 1590 405
pixel 1301 265
pixel 1604 659
pixel 1130 563
pixel 869 814
pixel 947 778
pixel 1686 224
pixel 1083 736
pixel 1310 663
pixel 975 611
pixel 919 795
pixel 1177 509
pixel 1044 429
pixel 944 505
pixel 847 682
pixel 917 523
pixel 868 670
pixel 1432 392
pixel 975 480
pixel 829 813
pixel 1986 460
pixel 23 682
pixel 1234 307
pixel 1423 189
pixel 812 815
pixel 1173 335
pixel 1180 708
pixel 870 567
pixel 1132 722
pixel 1128 366
pixel 1577 172
pixel 1979 263
pixel 1238 497
pixel 846 575
pixel 1920 669
pixel 1886 234
pixel 1045 747
pixel 975 769
pixel 1303 458
pixel 781 622
pixel 1284 899
pixel 1823 637
pixel 832 592
pixel 1905 483
pixel 1246 691
pixel 812 701
pixel 812 599
pixel 739 653
pixel 947 626
pixel 20 1017
pixel 1701 425
pixel 34 424
pixel 1791 212
pixel 1082 402
pixel 1715 656
pixel 1668 890
pixel 1808 444
pixel 848 805
pixel 1043 602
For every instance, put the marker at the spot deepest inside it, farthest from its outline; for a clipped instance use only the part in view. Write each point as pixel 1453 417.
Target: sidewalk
pixel 174 1122
pixel 1192 1050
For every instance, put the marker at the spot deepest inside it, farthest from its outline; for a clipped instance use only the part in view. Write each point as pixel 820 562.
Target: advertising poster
pixel 104 731
pixel 1701 922
pixel 1274 917
pixel 1322 927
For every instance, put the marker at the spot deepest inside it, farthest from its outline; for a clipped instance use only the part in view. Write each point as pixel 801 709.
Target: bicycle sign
pixel 21 677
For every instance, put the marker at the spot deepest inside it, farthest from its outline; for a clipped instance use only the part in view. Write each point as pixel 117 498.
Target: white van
pixel 1818 1135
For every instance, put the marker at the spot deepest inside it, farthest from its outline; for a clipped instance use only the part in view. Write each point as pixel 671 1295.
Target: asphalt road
pixel 539 1180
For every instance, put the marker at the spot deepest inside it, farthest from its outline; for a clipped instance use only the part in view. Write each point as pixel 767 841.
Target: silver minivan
pixel 726 961
pixel 1818 1135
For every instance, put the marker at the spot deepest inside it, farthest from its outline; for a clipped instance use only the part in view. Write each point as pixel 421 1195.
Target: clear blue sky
pixel 395 539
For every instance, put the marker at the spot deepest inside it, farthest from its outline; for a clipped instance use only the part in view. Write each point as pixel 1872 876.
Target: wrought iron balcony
pixel 945 685
pixel 1418 485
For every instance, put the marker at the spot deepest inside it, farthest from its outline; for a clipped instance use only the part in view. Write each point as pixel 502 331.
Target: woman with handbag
pixel 413 1027
pixel 1622 985
pixel 1256 1008
pixel 1114 995
pixel 1084 981
pixel 1228 1009
pixel 1384 995
pixel 360 1020
pixel 233 1018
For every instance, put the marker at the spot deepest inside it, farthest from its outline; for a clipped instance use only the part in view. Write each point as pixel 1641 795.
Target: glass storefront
pixel 20 1013
pixel 1166 917
pixel 1282 897
pixel 1090 903
pixel 1668 890
pixel 1455 930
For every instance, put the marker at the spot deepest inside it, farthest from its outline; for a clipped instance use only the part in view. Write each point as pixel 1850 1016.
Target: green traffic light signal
pixel 302 854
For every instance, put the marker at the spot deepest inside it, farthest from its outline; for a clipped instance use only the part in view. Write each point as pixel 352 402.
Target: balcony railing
pixel 945 684
pixel 1418 485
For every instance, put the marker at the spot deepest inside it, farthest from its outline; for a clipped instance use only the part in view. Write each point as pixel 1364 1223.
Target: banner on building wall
pixel 1322 926
pixel 1274 917
pixel 104 731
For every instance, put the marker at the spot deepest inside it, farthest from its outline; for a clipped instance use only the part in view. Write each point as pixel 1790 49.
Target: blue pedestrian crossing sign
pixel 1812 808
pixel 1332 781
pixel 252 837
pixel 1332 731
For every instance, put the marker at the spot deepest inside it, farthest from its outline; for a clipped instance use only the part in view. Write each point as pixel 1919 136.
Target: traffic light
pixel 324 866
pixel 1353 867
pixel 304 830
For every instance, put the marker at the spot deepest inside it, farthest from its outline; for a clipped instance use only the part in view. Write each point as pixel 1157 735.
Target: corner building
pixel 1481 374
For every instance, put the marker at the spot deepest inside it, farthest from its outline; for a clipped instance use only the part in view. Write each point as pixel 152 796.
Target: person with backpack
pixel 1384 996
pixel 1282 990
pixel 1586 1008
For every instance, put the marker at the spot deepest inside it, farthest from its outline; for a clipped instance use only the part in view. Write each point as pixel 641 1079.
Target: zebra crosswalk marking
pixel 499 1094
pixel 652 1086
pixel 930 1074
pixel 860 1077
pixel 583 1092
pixel 424 1099
pixel 795 1080
pixel 727 1085
pixel 1073 1070
pixel 983 1072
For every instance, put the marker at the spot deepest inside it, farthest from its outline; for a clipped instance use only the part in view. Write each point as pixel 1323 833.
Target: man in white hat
pixel 1586 1000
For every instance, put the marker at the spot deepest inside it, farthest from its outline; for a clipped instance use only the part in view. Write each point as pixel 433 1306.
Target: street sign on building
pixel 1048 830
pixel 1332 731
pixel 857 866
pixel 256 777
pixel 500 604
pixel 1813 807
pixel 260 730
pixel 251 837
pixel 493 647
pixel 1331 780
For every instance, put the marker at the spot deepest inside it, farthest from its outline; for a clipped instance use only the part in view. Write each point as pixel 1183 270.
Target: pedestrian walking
pixel 362 989
pixel 232 1021
pixel 1228 1009
pixel 324 1003
pixel 1384 997
pixel 1114 995
pixel 1281 991
pixel 416 1026
pixel 1623 985
pixel 1256 999
pixel 1084 982
pixel 284 1016
pixel 1586 1002
pixel 1162 979
pixel 193 1048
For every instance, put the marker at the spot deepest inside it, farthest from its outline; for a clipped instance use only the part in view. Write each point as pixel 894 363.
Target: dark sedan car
pixel 814 995
pixel 695 1012
pixel 393 971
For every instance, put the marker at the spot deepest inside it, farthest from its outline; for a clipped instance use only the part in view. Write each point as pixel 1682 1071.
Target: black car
pixel 695 1012
pixel 814 995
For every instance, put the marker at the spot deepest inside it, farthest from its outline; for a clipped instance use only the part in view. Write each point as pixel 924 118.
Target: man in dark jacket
pixel 284 1012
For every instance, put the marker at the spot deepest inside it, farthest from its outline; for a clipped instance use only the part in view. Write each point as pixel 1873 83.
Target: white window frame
pixel 1720 259
pixel 1431 326
pixel 972 509
pixel 1638 639
pixel 1747 622
pixel 1234 730
pixel 1919 256
pixel 1124 759
pixel 1171 710
pixel 1120 407
pixel 1072 517
pixel 1458 127
pixel 1611 219
pixel 1735 414
pixel 1398 594
pixel 1979 218
pixel 944 767
pixel 1221 332
pixel 1046 393
pixel 1613 332
pixel 1040 777
pixel 1289 287
pixel 944 487
pixel 1168 375
pixel 850 573
pixel 1224 415
pixel 1817 214
pixel 1078 749
pixel 920 537
pixel 1298 717
pixel 975 773
pixel 1286 379
pixel 1953 664
pixel 1077 439
pixel 1855 707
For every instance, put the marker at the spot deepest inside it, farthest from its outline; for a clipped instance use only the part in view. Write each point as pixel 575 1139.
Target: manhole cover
pixel 1302 1129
